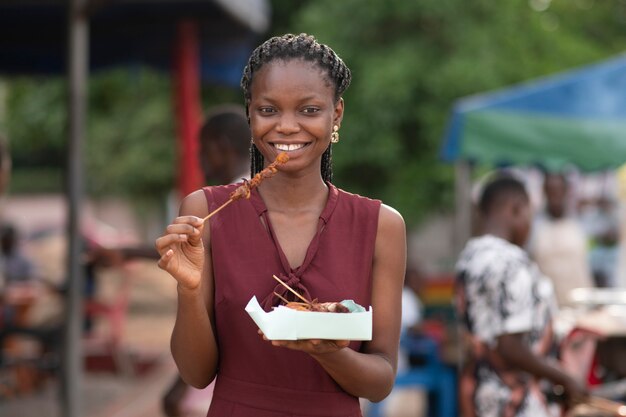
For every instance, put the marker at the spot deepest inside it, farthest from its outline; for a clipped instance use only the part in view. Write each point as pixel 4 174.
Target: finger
pixel 181 228
pixel 164 242
pixel 191 220
pixel 342 343
pixel 194 233
pixel 164 261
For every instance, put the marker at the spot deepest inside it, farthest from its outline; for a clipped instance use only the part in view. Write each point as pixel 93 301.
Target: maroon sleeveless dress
pixel 256 379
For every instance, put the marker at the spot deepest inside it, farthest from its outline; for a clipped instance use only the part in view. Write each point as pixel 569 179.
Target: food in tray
pixel 311 319
pixel 345 306
pixel 283 323
pixel 318 307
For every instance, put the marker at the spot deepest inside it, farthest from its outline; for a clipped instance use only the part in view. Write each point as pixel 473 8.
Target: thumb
pixel 195 237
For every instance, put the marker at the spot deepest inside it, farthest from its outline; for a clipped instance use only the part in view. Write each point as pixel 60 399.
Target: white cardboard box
pixel 288 324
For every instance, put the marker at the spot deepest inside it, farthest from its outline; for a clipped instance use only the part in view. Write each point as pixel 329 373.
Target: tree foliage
pixel 129 147
pixel 411 60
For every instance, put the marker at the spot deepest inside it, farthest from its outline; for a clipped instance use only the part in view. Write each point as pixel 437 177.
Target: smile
pixel 284 147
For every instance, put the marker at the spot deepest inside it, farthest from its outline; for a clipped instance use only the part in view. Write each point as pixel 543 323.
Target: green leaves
pixel 410 62
pixel 131 145
pixel 130 142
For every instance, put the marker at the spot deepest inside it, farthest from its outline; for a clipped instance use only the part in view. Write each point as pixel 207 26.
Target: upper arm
pixel 515 301
pixel 388 271
pixel 195 204
pixel 500 297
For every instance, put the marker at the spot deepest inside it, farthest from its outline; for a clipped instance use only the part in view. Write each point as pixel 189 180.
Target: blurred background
pixel 551 73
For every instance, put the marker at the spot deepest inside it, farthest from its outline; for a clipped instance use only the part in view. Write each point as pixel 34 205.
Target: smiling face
pixel 293 109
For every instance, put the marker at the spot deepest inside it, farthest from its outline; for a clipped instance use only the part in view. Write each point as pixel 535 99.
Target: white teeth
pixel 286 147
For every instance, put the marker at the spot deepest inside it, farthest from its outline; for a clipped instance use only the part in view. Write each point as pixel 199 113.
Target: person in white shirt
pixel 558 243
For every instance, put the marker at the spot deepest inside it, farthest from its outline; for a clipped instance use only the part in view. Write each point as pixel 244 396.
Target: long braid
pixel 289 47
pixel 256 160
pixel 327 164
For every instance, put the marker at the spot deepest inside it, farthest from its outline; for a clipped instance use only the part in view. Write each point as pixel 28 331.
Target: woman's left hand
pixel 310 346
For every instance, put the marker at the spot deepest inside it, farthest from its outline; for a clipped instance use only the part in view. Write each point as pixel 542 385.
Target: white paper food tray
pixel 284 323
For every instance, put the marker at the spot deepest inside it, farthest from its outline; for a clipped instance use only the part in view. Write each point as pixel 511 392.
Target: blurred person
pixel 225 145
pixel 224 158
pixel 18 272
pixel 600 220
pixel 506 306
pixel 558 243
pixel 323 241
pixel 17 267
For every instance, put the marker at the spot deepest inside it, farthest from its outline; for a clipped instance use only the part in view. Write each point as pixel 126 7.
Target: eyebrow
pixel 302 100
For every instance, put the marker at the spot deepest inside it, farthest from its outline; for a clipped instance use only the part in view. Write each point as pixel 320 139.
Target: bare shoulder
pixel 390 221
pixel 194 205
pixel 390 237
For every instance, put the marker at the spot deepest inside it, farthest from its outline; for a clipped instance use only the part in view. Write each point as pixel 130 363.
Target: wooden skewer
pixel 613 407
pixel 244 190
pixel 281 297
pixel 290 289
pixel 216 210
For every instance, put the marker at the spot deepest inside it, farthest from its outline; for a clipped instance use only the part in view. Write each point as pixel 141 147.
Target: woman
pixel 326 243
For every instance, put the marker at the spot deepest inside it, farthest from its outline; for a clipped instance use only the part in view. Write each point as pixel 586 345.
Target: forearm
pixel 363 375
pixel 193 342
pixel 520 356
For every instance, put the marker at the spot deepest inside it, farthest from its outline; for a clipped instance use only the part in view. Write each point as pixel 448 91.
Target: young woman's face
pixel 292 109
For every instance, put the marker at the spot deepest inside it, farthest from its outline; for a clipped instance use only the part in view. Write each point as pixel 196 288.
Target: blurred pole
pixel 463 197
pixel 78 44
pixel 187 104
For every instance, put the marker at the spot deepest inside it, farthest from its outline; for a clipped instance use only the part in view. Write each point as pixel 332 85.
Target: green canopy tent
pixel 576 118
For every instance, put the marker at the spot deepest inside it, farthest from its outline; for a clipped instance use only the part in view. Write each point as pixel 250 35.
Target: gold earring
pixel 334 137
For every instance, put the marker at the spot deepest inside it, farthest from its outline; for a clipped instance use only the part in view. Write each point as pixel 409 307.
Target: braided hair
pixel 288 47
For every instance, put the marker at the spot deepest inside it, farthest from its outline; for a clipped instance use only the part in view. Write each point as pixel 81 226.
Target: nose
pixel 287 124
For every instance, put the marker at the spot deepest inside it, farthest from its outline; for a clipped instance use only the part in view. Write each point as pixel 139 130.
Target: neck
pixel 497 229
pixel 288 193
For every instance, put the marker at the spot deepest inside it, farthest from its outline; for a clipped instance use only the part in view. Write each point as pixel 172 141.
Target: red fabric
pixel 188 108
pixel 337 266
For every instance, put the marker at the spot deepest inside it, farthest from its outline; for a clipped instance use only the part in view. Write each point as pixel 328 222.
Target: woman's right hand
pixel 182 251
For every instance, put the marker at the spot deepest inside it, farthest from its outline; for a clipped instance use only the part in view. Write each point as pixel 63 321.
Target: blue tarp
pixel 573 118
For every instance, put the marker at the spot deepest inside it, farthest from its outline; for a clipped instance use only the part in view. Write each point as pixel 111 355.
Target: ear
pixel 338 112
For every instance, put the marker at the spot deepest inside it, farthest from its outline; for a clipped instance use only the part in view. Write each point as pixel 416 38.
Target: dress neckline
pixel 261 209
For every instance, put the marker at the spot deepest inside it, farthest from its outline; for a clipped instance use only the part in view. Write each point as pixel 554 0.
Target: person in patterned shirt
pixel 505 305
